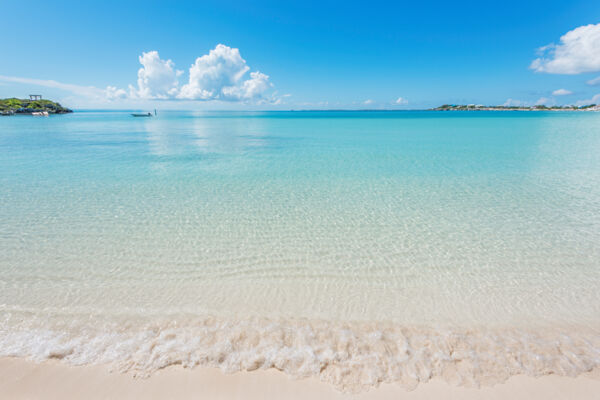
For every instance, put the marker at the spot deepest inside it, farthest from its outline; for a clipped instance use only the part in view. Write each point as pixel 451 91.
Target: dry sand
pixel 22 379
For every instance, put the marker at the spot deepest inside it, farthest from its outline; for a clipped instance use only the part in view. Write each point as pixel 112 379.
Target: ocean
pixel 357 247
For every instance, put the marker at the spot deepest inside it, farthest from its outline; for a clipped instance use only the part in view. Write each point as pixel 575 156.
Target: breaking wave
pixel 353 357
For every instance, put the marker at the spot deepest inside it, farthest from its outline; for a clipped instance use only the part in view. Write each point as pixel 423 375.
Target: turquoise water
pixel 256 240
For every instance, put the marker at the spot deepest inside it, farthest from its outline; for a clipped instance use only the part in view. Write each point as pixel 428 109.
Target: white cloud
pixel 561 92
pixel 544 101
pixel 90 93
pixel 369 101
pixel 577 52
pixel 594 100
pixel 113 93
pixel 222 74
pixel 515 103
pixel 85 91
pixel 401 100
pixel 219 75
pixel 249 89
pixel 157 79
pixel 594 82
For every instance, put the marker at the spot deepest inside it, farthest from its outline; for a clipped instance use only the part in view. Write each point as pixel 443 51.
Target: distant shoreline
pixel 478 107
pixel 63 110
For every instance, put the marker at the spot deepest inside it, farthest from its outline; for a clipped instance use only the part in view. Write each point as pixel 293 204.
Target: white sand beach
pixel 22 379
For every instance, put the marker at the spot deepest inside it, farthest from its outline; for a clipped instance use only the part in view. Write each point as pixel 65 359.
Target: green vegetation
pixel 478 107
pixel 24 106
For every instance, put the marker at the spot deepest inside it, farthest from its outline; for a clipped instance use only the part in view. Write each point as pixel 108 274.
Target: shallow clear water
pixel 196 231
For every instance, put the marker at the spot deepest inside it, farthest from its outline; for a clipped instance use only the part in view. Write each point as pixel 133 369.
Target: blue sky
pixel 301 54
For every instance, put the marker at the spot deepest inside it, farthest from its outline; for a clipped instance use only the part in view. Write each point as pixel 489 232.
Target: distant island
pixel 479 107
pixel 35 104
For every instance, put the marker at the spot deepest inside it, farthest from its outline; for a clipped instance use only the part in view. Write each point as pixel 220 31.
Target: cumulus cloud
pixel 561 92
pixel 222 74
pixel 401 100
pixel 594 82
pixel 113 93
pixel 157 79
pixel 249 89
pixel 578 51
pixel 368 101
pixel 219 75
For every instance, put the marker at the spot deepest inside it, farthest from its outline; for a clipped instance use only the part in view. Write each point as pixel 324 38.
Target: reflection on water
pixel 175 139
pixel 169 135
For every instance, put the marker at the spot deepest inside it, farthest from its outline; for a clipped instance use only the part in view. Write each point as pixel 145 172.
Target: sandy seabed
pixel 23 379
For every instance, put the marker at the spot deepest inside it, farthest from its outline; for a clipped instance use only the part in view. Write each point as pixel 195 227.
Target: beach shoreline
pixel 350 357
pixel 25 379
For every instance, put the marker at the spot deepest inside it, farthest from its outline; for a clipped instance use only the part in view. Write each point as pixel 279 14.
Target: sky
pixel 300 55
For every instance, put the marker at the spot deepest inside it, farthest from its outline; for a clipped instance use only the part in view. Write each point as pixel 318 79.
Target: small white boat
pixel 143 114
pixel 40 113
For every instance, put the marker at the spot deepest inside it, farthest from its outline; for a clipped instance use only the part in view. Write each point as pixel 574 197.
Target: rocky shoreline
pixel 14 106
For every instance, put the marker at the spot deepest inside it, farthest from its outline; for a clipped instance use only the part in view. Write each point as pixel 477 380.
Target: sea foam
pixel 352 357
